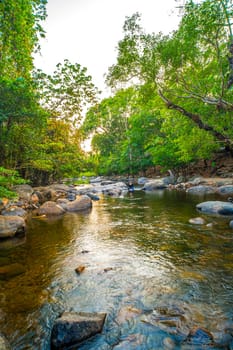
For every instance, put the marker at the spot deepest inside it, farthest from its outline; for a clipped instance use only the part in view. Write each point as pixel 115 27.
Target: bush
pixel 9 178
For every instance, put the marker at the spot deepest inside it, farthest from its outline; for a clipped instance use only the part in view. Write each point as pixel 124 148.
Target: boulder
pixel 74 327
pixel 62 202
pixel 95 180
pixel 14 211
pixel 231 224
pixel 217 208
pixel 225 190
pixel 115 189
pixel 201 189
pixel 47 194
pixel 11 225
pixel 196 180
pixel 37 198
pixel 50 209
pixel 24 191
pixel 81 203
pixel 112 189
pixel 142 180
pixel 153 185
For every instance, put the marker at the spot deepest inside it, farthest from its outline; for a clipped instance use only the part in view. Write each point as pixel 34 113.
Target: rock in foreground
pixel 74 327
pixel 11 225
pixel 218 208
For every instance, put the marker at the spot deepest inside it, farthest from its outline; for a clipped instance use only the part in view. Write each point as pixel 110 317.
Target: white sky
pixel 87 31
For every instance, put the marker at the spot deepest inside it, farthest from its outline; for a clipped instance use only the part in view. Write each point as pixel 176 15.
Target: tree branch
pixel 194 117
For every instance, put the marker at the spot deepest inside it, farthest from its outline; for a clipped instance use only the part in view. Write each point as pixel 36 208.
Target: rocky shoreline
pixel 57 199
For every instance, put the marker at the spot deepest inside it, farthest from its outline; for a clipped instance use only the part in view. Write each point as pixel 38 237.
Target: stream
pixel 140 253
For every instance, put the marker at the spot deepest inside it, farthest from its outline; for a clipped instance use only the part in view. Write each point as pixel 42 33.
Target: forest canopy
pixel 171 101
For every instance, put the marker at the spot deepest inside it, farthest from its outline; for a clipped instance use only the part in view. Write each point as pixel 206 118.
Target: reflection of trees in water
pixel 144 241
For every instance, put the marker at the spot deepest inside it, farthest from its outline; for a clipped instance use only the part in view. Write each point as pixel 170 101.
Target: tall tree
pixel 20 30
pixel 21 117
pixel 191 70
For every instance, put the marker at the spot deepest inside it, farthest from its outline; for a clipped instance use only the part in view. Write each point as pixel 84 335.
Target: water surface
pixel 139 253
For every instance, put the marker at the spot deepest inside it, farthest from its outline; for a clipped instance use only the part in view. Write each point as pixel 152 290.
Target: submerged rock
pixel 74 327
pixel 11 225
pixel 197 221
pixel 216 208
pixel 10 271
pixel 200 337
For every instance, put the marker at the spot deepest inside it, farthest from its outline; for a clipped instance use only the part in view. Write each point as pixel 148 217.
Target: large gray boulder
pixel 217 208
pixel 74 327
pixel 226 190
pixel 50 209
pixel 11 225
pixel 201 189
pixel 154 185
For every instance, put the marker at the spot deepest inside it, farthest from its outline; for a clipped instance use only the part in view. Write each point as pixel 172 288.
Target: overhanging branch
pixel 194 117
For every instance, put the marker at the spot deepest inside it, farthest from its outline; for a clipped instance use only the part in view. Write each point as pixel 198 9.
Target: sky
pixel 87 31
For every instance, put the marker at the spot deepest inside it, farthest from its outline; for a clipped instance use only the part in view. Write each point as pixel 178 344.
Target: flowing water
pixel 140 254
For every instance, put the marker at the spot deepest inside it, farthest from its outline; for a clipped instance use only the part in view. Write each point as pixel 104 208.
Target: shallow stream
pixel 140 253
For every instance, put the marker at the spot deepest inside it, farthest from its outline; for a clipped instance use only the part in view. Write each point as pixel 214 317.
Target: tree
pixel 197 69
pixel 67 92
pixel 108 122
pixel 20 30
pixel 191 70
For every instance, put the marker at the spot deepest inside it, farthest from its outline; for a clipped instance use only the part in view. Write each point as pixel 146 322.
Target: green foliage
pixel 17 100
pixel 67 92
pixel 191 72
pixel 20 30
pixel 9 178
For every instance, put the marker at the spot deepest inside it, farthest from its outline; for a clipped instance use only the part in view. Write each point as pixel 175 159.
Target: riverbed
pixel 139 254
